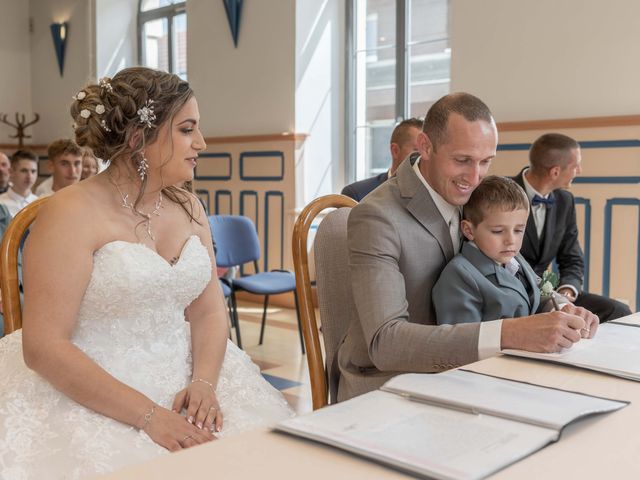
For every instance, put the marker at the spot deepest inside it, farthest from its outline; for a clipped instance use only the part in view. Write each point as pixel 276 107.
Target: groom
pixel 400 238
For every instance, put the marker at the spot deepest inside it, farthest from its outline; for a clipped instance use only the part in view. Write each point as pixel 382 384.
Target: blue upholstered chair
pixel 237 243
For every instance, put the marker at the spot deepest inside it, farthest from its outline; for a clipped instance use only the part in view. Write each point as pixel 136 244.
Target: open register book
pixel 614 350
pixel 452 425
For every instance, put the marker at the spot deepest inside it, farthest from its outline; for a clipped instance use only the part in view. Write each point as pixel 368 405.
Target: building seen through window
pixel 162 27
pixel 400 65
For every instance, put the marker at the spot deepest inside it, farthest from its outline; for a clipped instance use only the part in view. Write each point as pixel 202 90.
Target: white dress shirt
pixel 16 202
pixel 45 188
pixel 491 331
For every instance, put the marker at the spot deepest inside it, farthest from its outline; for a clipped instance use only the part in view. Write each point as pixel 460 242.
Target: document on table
pixel 452 425
pixel 614 350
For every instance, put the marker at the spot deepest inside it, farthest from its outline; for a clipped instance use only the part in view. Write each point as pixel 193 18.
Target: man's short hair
pixel 61 147
pixel 494 193
pixel 550 150
pixel 470 107
pixel 23 155
pixel 401 134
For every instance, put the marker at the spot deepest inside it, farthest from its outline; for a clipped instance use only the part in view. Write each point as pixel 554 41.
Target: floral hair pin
pixel 105 83
pixel 79 96
pixel 146 114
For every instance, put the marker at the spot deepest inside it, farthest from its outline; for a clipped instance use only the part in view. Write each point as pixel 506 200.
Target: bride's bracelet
pixel 204 381
pixel 147 418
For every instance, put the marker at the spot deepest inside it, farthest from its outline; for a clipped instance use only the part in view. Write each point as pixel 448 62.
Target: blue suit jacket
pixel 359 190
pixel 474 288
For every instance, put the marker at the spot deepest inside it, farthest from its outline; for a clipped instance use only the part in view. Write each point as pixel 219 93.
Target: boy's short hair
pixel 494 193
pixel 23 155
pixel 64 146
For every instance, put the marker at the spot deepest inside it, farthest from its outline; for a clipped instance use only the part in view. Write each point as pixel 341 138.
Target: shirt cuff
pixel 570 287
pixel 489 339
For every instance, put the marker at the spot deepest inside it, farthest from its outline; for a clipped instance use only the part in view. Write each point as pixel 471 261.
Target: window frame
pixel 168 12
pixel 401 108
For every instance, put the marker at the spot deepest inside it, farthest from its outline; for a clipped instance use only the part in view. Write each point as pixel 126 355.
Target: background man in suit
pixel 400 238
pixel 403 142
pixel 552 233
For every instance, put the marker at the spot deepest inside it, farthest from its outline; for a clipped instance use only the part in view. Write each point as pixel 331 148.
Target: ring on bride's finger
pixel 213 408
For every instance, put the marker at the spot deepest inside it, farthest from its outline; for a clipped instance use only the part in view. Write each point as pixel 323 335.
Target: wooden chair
pixel 332 330
pixel 9 276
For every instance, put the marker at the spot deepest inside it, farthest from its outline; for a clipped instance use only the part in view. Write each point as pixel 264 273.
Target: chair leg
pixel 236 321
pixel 228 301
pixel 264 318
pixel 295 298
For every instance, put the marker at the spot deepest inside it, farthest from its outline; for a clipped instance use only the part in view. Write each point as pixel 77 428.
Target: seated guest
pixel 552 232
pixel 89 164
pixel 65 161
pixel 23 174
pixel 489 279
pixel 400 238
pixel 4 172
pixel 403 143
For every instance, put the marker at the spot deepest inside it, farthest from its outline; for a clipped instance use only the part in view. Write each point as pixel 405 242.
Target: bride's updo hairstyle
pixel 131 105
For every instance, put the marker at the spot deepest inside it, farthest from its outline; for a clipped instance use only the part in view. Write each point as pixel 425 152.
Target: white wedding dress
pixel 131 322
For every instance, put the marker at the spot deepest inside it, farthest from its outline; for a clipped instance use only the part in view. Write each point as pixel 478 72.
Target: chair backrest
pixel 9 276
pixel 332 329
pixel 236 240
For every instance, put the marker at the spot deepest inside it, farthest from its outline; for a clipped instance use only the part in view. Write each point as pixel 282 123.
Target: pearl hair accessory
pixel 80 95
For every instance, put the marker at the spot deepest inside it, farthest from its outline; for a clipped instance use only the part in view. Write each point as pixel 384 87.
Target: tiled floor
pixel 279 357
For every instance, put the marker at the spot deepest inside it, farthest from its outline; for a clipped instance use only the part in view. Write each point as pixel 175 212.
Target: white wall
pixel 51 93
pixel 319 96
pixel 15 64
pixel 116 36
pixel 247 90
pixel 548 59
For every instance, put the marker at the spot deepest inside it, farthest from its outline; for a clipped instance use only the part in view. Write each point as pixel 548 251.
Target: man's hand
pixel 567 292
pixel 591 320
pixel 545 332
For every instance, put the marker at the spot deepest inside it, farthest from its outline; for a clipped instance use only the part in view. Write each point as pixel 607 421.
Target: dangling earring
pixel 143 166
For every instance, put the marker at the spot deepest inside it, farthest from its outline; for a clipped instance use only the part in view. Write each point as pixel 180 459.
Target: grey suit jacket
pixel 398 245
pixel 473 288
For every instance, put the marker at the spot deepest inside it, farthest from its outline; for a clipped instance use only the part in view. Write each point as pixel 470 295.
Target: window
pixel 399 66
pixel 162 35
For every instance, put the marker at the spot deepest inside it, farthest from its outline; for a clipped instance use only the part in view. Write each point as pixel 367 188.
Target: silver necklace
pixel 147 216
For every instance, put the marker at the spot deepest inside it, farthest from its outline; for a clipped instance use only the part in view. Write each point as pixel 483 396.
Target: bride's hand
pixel 171 431
pixel 201 403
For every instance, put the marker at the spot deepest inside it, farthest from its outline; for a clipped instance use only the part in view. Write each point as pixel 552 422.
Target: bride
pixel 112 373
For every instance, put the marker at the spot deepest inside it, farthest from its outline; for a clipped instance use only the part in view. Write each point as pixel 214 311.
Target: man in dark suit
pixel 552 233
pixel 403 142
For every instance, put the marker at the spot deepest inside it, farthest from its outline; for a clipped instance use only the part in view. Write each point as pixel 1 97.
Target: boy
pixel 489 279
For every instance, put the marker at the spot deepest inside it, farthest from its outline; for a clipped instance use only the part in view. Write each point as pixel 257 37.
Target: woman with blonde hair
pixel 113 267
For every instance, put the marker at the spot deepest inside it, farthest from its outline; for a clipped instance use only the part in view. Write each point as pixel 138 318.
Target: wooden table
pixel 605 446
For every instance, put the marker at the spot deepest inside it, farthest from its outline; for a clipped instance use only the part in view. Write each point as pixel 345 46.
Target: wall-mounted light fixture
pixel 60 32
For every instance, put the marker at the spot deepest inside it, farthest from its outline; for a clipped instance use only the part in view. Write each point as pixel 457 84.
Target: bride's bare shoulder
pixel 73 211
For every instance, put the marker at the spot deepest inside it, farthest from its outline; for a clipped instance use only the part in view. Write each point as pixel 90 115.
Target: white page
pixel 421 438
pixel 633 319
pixel 615 350
pixel 498 396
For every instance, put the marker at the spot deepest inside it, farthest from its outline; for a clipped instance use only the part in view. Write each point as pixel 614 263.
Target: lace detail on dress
pixel 131 322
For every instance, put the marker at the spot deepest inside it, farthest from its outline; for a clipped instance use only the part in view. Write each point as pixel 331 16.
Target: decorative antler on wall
pixel 20 125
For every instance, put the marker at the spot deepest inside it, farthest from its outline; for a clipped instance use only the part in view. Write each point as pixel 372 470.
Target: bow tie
pixel 547 202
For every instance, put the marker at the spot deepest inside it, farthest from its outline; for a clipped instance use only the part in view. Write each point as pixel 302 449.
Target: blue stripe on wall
pixel 514 147
pixel 268 195
pixel 608 218
pixel 587 238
